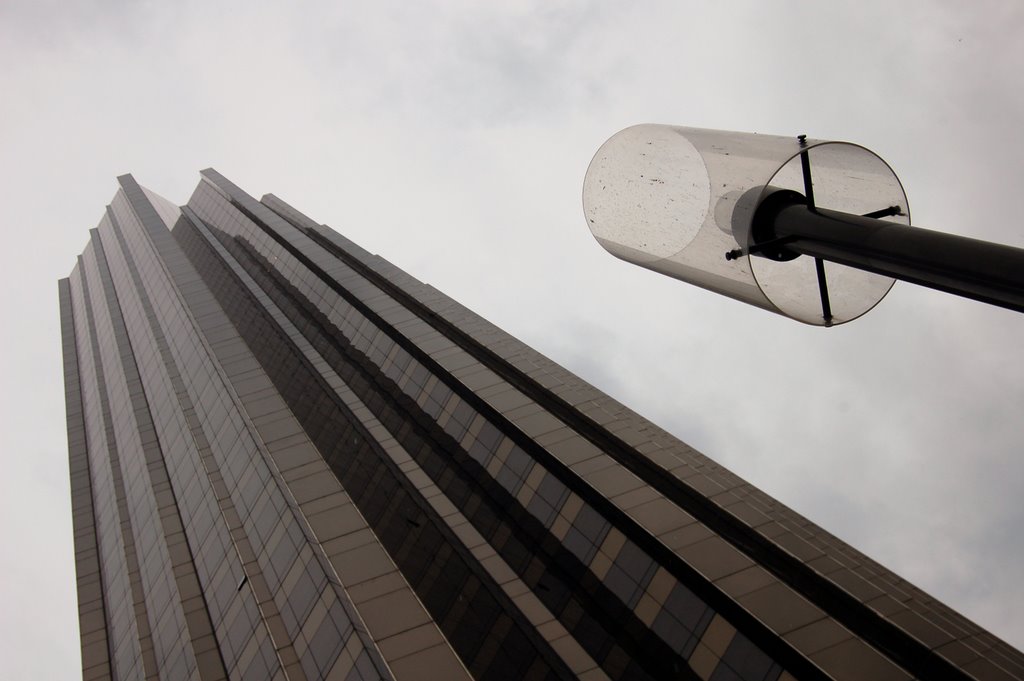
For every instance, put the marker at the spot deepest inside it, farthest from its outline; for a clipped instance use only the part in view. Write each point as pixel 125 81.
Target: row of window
pixel 583 530
pixel 442 578
pixel 242 636
pixel 680 619
pixel 510 466
pixel 518 459
pixel 130 635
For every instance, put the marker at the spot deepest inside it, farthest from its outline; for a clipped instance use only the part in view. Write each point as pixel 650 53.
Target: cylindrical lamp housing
pixel 675 200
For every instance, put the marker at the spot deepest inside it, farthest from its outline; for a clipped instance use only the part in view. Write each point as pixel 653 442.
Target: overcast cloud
pixel 452 138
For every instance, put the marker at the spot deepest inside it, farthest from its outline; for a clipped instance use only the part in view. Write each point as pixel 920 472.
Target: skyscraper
pixel 291 460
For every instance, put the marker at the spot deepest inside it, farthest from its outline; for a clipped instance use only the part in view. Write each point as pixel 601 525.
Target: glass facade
pixel 292 460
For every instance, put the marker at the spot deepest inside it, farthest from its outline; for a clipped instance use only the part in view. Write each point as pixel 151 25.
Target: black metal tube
pixel 991 273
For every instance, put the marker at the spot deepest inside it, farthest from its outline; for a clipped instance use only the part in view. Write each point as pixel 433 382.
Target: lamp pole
pixel 785 226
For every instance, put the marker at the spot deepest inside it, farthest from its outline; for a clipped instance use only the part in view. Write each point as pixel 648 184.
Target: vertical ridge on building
pixel 292 460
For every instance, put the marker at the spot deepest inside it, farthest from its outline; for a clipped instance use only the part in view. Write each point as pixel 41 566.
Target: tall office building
pixel 291 460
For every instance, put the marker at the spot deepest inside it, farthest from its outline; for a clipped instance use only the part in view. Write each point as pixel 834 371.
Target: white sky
pixel 452 138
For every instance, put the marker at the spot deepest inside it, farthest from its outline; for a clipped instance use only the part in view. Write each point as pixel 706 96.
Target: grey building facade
pixel 291 460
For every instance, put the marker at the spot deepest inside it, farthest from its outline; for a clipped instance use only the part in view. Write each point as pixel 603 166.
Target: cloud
pixel 452 138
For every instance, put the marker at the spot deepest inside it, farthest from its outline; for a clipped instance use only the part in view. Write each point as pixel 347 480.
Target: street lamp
pixel 815 230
